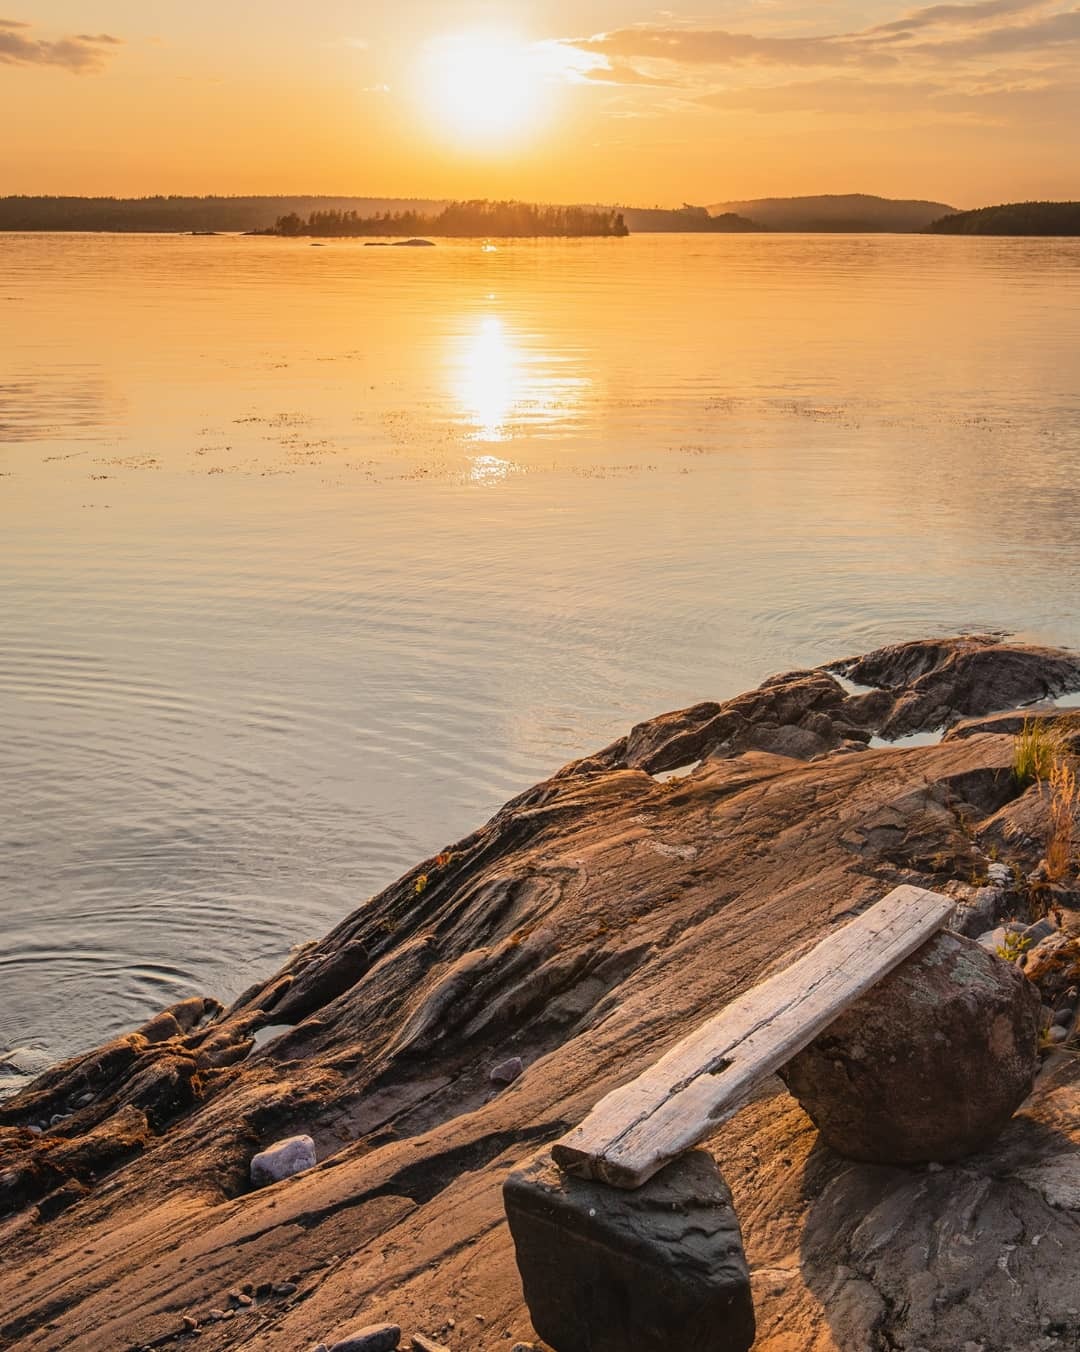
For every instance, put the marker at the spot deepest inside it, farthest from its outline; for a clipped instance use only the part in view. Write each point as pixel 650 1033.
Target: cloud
pixel 1053 31
pixel 716 47
pixel 935 15
pixel 80 53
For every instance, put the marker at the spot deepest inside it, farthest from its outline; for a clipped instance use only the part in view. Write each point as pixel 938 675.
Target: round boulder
pixel 930 1064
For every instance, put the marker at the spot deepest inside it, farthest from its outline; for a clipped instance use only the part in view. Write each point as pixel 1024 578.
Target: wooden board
pixel 703 1080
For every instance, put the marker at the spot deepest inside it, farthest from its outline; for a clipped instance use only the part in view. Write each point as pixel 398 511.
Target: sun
pixel 483 89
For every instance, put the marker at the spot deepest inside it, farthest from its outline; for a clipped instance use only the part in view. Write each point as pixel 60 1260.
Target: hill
pixel 856 213
pixel 685 220
pixel 1013 218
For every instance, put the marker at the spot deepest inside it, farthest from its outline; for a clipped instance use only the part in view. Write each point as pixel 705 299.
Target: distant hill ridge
pixel 845 212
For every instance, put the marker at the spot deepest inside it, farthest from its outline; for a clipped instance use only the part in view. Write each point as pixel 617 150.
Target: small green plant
pixel 1014 947
pixel 1039 746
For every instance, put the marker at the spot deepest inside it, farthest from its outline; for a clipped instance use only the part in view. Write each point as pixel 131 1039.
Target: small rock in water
pixel 240 1297
pixel 1063 1017
pixel 1057 1034
pixel 283 1288
pixel 507 1071
pixel 377 1338
pixel 282 1160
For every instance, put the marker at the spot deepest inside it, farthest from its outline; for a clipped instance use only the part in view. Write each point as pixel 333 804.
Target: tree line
pixel 176 214
pixel 1013 218
pixel 458 220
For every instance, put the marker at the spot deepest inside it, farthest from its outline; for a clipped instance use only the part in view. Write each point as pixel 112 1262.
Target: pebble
pixel 376 1338
pixel 999 873
pixel 421 1343
pixel 83 1100
pixel 507 1071
pixel 1057 1034
pixel 240 1297
pixel 1063 1017
pixel 283 1288
pixel 282 1160
pixel 523 1347
pixel 216 1315
pixel 190 1325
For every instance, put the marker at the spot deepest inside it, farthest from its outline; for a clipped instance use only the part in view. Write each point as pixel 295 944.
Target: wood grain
pixel 703 1080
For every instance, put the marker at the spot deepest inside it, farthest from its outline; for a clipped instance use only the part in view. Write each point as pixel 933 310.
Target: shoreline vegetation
pixel 458 220
pixel 327 216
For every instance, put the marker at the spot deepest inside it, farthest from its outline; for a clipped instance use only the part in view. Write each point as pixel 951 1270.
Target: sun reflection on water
pixel 504 384
pixel 489 379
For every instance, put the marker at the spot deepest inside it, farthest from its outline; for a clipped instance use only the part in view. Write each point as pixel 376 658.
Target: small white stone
pixel 282 1160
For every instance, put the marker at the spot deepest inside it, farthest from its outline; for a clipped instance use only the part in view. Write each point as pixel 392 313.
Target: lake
pixel 313 556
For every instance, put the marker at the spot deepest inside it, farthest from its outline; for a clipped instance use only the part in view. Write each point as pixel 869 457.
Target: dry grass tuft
pixel 1039 747
pixel 1060 839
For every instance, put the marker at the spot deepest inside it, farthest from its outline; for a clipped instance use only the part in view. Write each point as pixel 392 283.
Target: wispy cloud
pixel 937 15
pixel 956 32
pixel 78 53
pixel 1005 63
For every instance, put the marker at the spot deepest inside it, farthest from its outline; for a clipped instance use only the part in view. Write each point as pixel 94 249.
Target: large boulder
pixel 930 1064
pixel 604 1270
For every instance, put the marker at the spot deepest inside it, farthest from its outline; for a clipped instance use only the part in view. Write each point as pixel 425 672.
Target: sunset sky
pixel 569 100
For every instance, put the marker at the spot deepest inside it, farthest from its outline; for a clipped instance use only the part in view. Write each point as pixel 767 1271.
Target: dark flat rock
pixel 660 1267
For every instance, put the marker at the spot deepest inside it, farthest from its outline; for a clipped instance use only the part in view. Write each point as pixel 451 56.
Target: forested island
pixel 457 220
pixel 1013 218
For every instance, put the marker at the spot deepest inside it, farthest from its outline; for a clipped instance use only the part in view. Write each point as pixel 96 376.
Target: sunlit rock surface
pixel 597 919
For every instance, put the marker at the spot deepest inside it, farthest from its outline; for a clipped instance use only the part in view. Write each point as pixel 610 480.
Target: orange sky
pixel 597 100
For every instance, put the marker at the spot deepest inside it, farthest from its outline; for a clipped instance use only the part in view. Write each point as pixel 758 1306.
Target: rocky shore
pixel 478 1008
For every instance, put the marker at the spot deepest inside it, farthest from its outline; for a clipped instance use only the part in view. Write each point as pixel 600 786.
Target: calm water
pixel 313 556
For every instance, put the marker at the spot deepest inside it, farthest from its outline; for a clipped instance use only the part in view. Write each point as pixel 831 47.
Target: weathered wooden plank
pixel 703 1080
